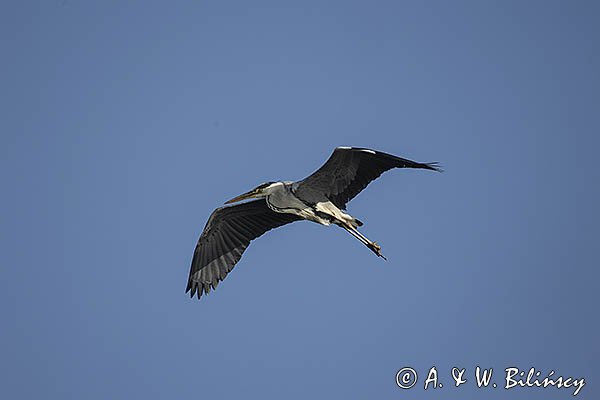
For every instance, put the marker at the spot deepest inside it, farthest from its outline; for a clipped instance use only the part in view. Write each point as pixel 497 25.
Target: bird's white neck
pixel 272 188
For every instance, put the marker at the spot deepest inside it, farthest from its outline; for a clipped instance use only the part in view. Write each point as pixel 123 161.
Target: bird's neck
pixel 275 187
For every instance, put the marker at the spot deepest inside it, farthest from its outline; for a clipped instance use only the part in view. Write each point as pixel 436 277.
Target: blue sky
pixel 124 124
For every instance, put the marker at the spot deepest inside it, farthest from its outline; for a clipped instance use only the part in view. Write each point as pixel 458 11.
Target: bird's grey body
pixel 282 198
pixel 321 198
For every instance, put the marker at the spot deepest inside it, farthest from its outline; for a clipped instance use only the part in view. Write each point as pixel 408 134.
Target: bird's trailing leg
pixel 374 247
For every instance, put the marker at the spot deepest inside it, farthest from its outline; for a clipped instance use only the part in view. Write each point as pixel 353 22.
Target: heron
pixel 321 197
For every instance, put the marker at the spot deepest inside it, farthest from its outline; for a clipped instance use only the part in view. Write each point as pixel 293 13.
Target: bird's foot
pixel 375 248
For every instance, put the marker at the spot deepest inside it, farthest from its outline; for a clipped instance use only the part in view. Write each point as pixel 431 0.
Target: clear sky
pixel 124 124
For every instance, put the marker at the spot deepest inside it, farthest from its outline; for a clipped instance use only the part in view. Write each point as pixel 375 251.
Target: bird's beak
pixel 244 196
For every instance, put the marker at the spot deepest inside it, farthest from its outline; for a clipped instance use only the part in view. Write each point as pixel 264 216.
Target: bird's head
pixel 262 190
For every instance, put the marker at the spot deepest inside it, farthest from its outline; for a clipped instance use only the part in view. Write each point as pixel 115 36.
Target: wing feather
pixel 226 236
pixel 348 171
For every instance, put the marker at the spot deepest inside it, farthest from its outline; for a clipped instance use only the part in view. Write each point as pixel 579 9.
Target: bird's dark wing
pixel 226 235
pixel 348 171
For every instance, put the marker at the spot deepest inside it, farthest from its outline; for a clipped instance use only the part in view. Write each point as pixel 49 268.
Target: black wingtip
pixel 399 161
pixel 194 290
pixel 434 166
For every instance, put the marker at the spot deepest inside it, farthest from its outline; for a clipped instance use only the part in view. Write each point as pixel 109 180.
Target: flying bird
pixel 321 198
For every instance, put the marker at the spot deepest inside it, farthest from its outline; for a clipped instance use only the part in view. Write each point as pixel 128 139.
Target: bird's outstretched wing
pixel 348 171
pixel 226 235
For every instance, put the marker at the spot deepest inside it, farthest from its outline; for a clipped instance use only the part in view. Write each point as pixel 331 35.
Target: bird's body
pixel 282 198
pixel 321 198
